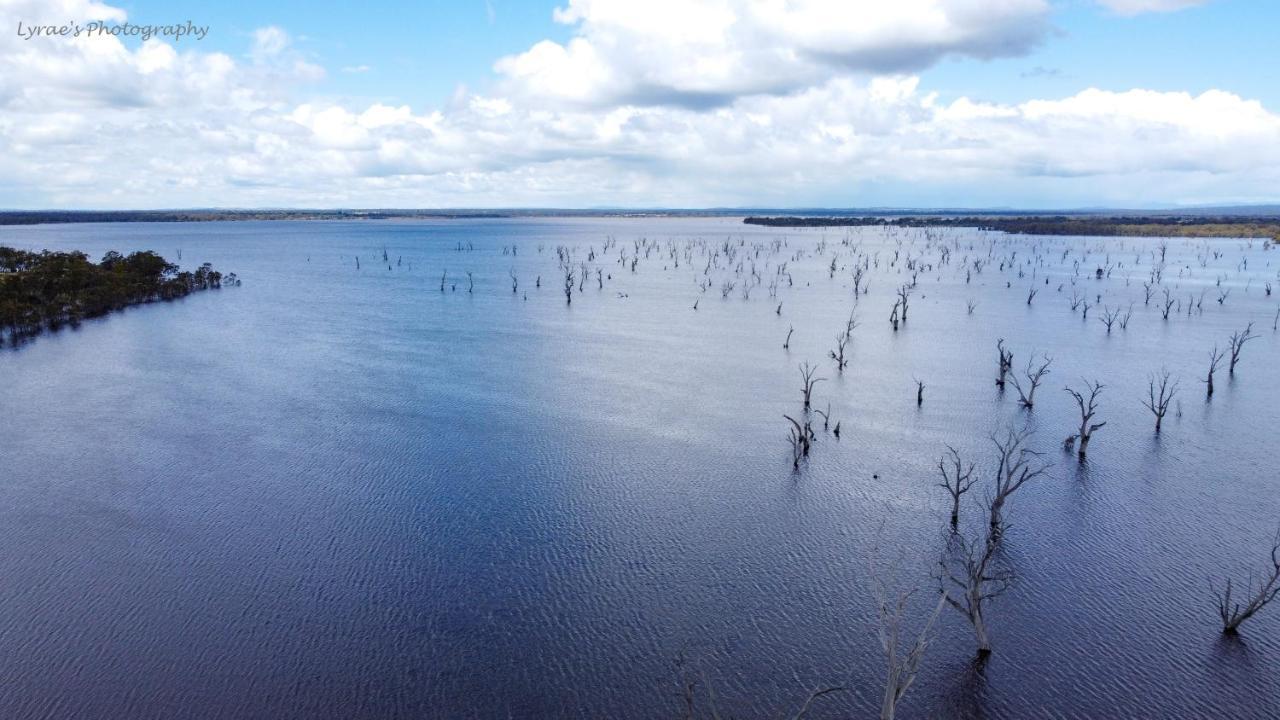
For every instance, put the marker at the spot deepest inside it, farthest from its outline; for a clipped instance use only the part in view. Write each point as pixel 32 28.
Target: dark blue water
pixel 342 493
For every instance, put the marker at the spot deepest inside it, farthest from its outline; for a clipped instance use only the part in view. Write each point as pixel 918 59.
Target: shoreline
pixel 778 217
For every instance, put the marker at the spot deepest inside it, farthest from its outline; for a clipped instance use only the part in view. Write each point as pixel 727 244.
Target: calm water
pixel 342 493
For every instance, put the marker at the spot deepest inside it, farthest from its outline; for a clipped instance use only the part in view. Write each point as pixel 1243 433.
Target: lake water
pixel 334 492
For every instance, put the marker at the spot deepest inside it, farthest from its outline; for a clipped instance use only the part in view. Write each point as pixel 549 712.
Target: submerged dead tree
pixel 1238 339
pixel 970 577
pixel 801 439
pixel 1257 594
pixel 1215 359
pixel 1017 465
pixel 842 339
pixel 956 481
pixel 806 374
pixel 1088 408
pixel 904 294
pixel 1160 393
pixel 1034 374
pixel 903 660
pixel 1109 317
pixel 1006 362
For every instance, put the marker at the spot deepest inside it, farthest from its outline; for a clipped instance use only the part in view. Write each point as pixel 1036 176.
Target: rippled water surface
pixel 345 493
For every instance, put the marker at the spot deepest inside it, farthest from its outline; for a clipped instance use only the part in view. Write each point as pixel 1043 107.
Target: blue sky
pixel 416 52
pixel 1045 103
pixel 419 52
pixel 1227 45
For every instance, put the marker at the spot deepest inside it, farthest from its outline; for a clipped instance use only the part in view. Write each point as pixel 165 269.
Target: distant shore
pixel 1237 226
pixel 1068 221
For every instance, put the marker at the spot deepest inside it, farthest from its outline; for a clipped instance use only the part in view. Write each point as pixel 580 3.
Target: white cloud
pixel 97 124
pixel 706 54
pixel 1137 7
pixel 268 42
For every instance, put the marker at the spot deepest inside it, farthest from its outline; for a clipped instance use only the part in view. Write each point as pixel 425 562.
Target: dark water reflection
pixel 332 493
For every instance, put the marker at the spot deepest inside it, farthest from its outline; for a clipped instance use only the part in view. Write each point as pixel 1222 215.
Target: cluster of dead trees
pixel 971 571
pixel 800 433
pixel 1235 344
pixel 1161 387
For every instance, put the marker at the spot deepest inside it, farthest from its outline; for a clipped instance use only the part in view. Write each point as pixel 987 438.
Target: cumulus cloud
pixel 673 52
pixel 103 125
pixel 1137 7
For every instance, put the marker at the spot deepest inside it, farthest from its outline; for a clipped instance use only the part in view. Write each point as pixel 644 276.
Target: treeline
pixel 42 217
pixel 46 290
pixel 1159 226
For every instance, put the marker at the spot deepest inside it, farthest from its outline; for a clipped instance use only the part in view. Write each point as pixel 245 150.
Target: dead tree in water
pixel 903 662
pixel 919 392
pixel 1015 468
pixel 568 286
pixel 826 416
pixel 970 576
pixel 1109 317
pixel 1238 339
pixel 1160 393
pixel 806 374
pixel 800 437
pixel 904 292
pixel 1088 408
pixel 443 276
pixel 1258 594
pixel 1006 362
pixel 849 325
pixel 842 339
pixel 1027 396
pixel 1168 304
pixel 514 282
pixel 1215 358
pixel 786 344
pixel 956 481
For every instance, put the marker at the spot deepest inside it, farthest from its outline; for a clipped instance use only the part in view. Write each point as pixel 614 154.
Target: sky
pixel 617 103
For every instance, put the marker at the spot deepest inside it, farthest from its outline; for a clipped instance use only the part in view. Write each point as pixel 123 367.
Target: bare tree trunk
pixel 980 631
